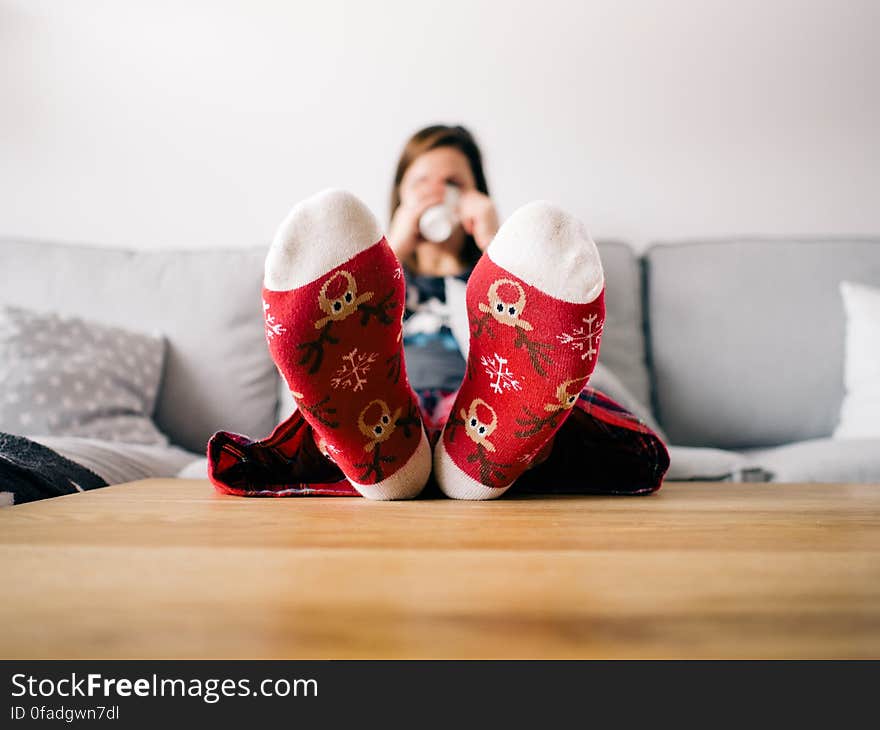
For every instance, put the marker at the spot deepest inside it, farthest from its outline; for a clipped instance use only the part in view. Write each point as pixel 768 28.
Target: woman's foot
pixel 333 297
pixel 536 306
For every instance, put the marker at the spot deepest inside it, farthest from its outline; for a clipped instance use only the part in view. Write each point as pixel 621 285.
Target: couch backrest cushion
pixel 623 341
pixel 218 373
pixel 745 337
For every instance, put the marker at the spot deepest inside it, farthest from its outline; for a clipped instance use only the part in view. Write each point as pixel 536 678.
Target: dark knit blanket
pixel 31 471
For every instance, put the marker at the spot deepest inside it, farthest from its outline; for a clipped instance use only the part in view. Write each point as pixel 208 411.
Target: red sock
pixel 333 301
pixel 536 306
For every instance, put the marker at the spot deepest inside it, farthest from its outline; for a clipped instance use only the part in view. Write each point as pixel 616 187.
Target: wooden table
pixel 168 568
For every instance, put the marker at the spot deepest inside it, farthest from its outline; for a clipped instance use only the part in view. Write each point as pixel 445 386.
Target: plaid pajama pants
pixel 600 449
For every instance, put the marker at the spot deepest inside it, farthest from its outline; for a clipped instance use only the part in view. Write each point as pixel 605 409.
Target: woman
pixel 432 159
pixel 515 411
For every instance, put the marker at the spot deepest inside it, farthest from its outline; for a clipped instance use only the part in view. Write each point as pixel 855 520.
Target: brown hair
pixel 430 138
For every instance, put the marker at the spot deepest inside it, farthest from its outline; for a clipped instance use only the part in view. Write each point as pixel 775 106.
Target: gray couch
pixel 736 346
pixel 744 348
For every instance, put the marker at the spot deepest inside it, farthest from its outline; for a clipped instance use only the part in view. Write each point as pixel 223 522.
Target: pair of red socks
pixel 333 302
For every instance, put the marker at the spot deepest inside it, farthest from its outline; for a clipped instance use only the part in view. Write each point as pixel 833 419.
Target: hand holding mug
pixel 478 217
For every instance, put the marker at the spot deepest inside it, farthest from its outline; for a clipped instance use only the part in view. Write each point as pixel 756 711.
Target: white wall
pixel 165 124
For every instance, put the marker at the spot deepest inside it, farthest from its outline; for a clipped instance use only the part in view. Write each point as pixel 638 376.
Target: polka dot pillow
pixel 64 376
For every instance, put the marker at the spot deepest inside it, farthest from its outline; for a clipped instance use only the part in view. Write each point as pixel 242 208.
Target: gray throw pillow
pixel 64 376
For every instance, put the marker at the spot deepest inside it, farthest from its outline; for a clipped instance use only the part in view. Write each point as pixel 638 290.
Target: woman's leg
pixel 333 300
pixel 536 307
pixel 600 449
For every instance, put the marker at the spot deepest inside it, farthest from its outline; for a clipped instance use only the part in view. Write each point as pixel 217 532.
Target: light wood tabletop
pixel 169 568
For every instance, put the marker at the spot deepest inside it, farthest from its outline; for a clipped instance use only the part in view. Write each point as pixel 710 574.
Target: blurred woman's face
pixel 433 169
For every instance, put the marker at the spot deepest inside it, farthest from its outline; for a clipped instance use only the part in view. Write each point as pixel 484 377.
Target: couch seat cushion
pixel 694 463
pixel 822 460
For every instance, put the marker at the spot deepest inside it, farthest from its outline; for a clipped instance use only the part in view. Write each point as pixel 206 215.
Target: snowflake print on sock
pixel 352 374
pixel 588 336
pixel 496 368
pixel 273 328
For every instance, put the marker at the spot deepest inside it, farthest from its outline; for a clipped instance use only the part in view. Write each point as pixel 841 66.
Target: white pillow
pixel 860 412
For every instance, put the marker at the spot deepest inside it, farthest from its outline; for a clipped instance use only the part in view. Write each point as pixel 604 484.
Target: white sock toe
pixel 319 234
pixel 407 481
pixel 551 250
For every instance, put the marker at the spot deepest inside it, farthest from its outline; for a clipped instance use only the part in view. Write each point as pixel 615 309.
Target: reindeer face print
pixel 566 395
pixel 339 298
pixel 480 421
pixel 377 423
pixel 506 301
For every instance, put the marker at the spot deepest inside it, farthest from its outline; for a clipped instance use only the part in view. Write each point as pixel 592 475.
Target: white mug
pixel 438 221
